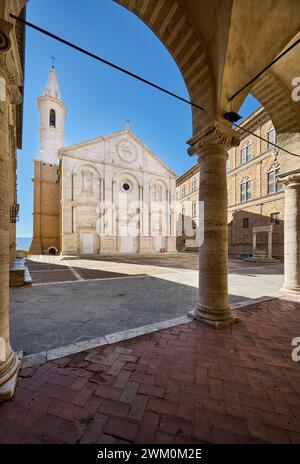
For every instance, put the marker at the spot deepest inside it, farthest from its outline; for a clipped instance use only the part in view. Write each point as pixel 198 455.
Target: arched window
pixel 52 118
pixel 245 190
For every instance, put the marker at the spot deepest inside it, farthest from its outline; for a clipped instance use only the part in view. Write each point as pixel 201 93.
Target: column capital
pixel 214 134
pixel 10 65
pixel 6 28
pixel 290 180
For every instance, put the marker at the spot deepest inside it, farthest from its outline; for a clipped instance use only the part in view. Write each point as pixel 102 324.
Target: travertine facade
pixel 116 197
pixel 107 195
pixel 266 197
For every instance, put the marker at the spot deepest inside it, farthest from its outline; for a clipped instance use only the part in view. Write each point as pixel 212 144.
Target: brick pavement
pixel 188 384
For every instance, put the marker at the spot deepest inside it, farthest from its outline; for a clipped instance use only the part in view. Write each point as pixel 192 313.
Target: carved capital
pixel 215 133
pixel 291 180
pixel 10 65
pixel 5 31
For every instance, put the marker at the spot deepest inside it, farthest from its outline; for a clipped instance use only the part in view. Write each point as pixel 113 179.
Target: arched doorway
pixel 52 251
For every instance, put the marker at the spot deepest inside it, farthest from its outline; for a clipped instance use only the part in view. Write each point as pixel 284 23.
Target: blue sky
pixel 100 99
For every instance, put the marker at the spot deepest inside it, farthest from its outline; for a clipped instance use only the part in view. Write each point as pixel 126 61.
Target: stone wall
pixel 258 210
pixel 46 215
pixel 261 205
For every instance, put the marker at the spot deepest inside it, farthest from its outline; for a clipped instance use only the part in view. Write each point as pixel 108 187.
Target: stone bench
pixel 18 273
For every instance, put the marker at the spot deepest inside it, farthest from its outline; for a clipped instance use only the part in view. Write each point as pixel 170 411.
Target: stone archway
pixel 52 251
pixel 210 42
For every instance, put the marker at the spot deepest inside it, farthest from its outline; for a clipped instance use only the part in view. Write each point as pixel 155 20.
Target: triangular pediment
pixel 121 148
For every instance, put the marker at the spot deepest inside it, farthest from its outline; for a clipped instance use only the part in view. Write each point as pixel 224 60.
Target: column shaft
pixel 292 235
pixel 9 364
pixel 213 308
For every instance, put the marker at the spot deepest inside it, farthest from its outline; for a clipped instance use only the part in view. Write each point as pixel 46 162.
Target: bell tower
pixel 46 182
pixel 52 120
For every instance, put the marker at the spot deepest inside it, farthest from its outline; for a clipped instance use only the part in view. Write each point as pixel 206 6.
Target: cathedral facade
pixel 111 194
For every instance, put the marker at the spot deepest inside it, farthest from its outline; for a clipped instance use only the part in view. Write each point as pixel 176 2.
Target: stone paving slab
pixel 186 384
pixel 53 314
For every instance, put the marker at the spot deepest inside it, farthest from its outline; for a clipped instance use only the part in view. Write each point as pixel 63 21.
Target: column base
pixel 222 321
pixel 7 389
pixel 295 290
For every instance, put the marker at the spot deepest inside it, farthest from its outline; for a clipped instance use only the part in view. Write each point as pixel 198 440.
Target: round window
pixel 126 187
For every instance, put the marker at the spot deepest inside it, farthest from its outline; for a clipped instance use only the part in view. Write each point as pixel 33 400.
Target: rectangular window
pixel 246 223
pixel 227 165
pixel 243 155
pixel 271 139
pixel 183 192
pixel 194 209
pixel 275 218
pixel 271 182
pixel 249 152
pixel 246 154
pixel 246 191
pixel 279 186
pixel 194 185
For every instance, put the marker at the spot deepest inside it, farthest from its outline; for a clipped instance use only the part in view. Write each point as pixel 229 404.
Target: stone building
pixel 106 195
pixel 255 196
pixel 187 198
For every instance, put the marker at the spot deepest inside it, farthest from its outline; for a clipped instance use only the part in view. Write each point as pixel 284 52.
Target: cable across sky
pixel 146 81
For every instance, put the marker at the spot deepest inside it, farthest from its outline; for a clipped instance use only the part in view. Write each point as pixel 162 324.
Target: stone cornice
pixel 188 174
pixel 257 201
pixel 52 99
pixel 255 160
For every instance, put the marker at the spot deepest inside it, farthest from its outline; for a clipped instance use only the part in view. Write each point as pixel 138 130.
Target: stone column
pixel 254 244
pixel 211 147
pixel 9 364
pixel 270 244
pixel 291 232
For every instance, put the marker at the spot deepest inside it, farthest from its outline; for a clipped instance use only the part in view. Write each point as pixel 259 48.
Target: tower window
pixel 52 119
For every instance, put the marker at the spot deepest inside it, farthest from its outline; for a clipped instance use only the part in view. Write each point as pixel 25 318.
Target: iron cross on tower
pixel 53 59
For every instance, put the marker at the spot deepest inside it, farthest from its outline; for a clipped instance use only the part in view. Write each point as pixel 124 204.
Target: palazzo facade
pixel 255 197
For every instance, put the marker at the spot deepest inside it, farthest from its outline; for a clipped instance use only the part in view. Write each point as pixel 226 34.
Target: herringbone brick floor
pixel 188 384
